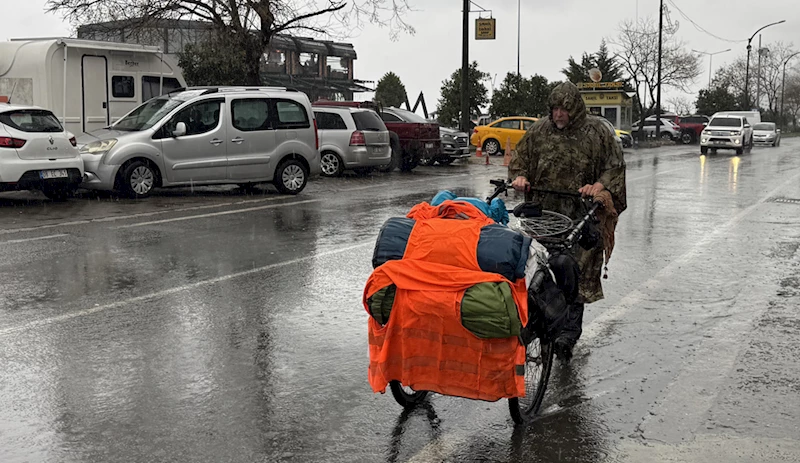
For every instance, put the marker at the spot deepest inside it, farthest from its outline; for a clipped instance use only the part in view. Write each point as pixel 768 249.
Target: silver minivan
pixel 351 138
pixel 205 136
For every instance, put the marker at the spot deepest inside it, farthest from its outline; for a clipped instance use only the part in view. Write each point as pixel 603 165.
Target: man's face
pixel 560 117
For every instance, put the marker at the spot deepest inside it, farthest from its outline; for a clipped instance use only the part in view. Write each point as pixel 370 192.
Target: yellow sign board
pixel 601 85
pixel 601 98
pixel 485 28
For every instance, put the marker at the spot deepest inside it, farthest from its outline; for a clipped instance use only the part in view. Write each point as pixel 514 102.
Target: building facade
pixel 319 68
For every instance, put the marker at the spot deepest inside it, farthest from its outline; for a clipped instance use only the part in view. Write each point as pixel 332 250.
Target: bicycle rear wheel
pixel 538 362
pixel 406 396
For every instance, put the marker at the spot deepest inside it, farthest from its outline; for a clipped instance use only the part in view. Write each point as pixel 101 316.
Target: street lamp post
pixel 747 70
pixel 710 60
pixel 783 88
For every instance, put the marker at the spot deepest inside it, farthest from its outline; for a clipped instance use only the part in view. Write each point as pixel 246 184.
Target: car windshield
pixel 32 120
pixel 766 127
pixel 147 115
pixel 408 116
pixel 726 122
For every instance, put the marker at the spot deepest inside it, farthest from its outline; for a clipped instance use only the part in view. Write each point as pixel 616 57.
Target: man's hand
pixel 591 190
pixel 521 184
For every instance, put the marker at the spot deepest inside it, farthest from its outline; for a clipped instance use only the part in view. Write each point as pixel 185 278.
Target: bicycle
pixel 558 234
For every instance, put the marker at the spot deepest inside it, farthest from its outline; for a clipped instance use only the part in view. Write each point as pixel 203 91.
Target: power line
pixel 700 28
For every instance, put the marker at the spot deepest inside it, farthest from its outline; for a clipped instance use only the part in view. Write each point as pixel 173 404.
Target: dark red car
pixel 691 127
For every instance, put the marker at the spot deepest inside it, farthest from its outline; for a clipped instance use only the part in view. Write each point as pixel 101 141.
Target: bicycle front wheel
pixel 538 362
pixel 406 396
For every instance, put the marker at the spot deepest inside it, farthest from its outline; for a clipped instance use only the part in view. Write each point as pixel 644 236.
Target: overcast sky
pixel 551 31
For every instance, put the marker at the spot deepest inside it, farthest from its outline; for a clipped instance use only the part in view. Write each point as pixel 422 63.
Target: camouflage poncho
pixel 583 153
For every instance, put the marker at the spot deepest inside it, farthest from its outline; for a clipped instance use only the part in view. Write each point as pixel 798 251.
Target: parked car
pixel 455 145
pixel 726 132
pixel 36 153
pixel 351 138
pixel 625 137
pixel 492 138
pixel 691 127
pixel 766 133
pixel 669 130
pixel 419 138
pixel 203 136
pixel 412 136
pixel 611 129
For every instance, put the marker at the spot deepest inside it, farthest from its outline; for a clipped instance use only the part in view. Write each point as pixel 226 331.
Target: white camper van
pixel 87 84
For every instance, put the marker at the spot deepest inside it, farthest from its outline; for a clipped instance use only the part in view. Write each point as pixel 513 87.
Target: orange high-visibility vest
pixel 424 345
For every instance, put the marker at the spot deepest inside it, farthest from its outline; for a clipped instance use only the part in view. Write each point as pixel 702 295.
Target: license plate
pixel 54 173
pixel 428 145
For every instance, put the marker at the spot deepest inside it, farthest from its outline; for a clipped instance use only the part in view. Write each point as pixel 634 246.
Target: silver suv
pixel 726 132
pixel 204 136
pixel 36 153
pixel 351 138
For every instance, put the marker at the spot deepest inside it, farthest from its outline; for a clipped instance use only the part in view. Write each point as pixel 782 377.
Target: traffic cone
pixel 478 152
pixel 507 154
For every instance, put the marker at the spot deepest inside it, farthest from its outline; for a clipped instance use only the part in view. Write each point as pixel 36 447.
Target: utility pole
pixel 465 70
pixel 783 89
pixel 747 68
pixel 519 29
pixel 758 74
pixel 658 89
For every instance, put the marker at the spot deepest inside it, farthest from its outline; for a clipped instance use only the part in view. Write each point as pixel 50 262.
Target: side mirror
pixel 705 124
pixel 180 130
pixel 777 130
pixel 747 126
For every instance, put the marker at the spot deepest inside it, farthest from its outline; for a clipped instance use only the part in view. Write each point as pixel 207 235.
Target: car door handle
pixel 238 140
pixel 216 142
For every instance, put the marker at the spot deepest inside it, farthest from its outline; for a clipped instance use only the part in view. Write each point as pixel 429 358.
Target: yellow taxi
pixel 492 138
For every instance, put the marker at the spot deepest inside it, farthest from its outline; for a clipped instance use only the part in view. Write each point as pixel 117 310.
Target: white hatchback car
pixel 36 153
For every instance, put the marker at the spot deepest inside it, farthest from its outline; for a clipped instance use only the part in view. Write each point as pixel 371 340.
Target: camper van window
pixel 122 87
pixel 147 115
pixel 150 86
pixel 31 120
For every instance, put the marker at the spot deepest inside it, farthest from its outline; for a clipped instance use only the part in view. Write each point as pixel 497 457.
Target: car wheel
pixel 703 150
pixel 666 136
pixel 291 177
pixel 138 180
pixel 58 193
pixel 687 138
pixel 491 147
pixel 397 154
pixel 331 164
pixel 409 163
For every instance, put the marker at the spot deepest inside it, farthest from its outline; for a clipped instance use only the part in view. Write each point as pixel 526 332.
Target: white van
pixel 753 117
pixel 87 84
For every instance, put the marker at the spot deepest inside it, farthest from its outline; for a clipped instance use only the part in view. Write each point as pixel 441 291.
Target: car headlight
pixel 735 133
pixel 704 140
pixel 99 147
pixel 448 137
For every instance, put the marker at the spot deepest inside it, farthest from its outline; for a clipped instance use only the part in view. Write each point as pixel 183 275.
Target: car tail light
pixel 73 141
pixel 8 142
pixel 357 139
pixel 316 133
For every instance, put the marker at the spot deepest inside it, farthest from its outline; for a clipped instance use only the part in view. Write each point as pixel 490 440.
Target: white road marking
pixel 178 289
pixel 136 216
pixel 38 238
pixel 214 214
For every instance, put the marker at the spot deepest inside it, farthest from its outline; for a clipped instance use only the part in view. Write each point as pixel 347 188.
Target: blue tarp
pixel 496 211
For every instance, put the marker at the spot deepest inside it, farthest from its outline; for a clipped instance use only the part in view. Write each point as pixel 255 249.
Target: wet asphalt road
pixel 216 326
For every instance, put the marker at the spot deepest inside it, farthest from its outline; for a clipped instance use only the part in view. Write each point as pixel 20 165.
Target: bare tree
pixel 792 98
pixel 250 23
pixel 681 105
pixel 636 47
